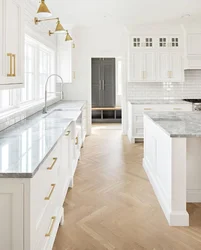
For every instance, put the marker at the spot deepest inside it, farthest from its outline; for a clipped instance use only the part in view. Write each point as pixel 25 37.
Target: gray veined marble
pixel 157 101
pixel 25 145
pixel 178 124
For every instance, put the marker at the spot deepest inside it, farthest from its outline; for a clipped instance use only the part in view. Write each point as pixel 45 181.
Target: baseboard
pixel 193 195
pixel 173 218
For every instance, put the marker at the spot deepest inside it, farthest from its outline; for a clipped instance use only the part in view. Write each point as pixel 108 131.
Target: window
pixel 39 64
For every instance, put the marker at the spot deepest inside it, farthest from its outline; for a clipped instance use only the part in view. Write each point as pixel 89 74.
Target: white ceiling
pixel 124 12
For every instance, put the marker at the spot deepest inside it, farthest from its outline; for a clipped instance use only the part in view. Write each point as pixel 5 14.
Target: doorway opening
pixel 105 90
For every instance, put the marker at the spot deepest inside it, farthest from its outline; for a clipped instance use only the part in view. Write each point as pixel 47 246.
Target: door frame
pixel 124 89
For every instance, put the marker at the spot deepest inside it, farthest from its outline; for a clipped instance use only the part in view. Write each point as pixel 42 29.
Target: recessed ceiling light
pixel 186 15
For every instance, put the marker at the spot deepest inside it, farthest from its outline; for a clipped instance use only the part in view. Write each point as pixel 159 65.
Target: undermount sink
pixel 63 114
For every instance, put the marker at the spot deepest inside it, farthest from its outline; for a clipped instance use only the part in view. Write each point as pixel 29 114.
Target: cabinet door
pixel 193 44
pixel 64 62
pixel 175 66
pixel 148 42
pixel 13 42
pixel 108 82
pixel 96 82
pixel 149 62
pixel 174 42
pixel 163 66
pixel 11 216
pixel 136 67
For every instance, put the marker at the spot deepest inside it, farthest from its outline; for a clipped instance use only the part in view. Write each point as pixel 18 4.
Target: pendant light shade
pixel 43 11
pixel 68 37
pixel 59 28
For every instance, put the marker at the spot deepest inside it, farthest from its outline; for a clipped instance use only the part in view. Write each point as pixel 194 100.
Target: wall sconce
pixel 43 10
pixel 59 28
pixel 68 37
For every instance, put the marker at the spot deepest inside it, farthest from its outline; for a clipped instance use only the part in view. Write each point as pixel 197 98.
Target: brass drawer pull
pixel 147 109
pixel 51 167
pixel 52 226
pixel 177 109
pixel 11 65
pixel 76 140
pixel 14 60
pixel 67 133
pixel 52 189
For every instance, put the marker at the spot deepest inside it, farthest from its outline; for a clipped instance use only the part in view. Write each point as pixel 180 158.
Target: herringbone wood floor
pixel 112 205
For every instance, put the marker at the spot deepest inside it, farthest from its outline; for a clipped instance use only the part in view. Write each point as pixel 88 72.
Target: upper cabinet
pixel 11 43
pixel 192 51
pixel 64 60
pixel 156 59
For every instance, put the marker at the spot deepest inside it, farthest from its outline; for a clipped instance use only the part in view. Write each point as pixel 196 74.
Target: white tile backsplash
pixel 190 89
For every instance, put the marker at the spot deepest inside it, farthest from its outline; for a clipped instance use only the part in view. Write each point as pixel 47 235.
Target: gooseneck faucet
pixel 61 92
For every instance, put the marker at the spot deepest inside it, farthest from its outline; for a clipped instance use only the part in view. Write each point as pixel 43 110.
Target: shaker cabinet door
pixel 12 43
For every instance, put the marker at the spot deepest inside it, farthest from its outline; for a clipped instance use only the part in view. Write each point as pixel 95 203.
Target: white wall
pixel 101 41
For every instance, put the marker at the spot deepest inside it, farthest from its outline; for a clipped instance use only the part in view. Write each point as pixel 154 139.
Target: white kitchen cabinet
pixel 64 60
pixel 143 42
pixel 136 112
pixel 12 43
pixel 11 216
pixel 32 208
pixel 142 66
pixel 170 67
pixel 169 41
pixel 192 51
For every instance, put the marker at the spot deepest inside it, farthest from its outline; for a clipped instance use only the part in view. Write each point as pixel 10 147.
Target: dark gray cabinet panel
pixel 103 82
pixel 96 82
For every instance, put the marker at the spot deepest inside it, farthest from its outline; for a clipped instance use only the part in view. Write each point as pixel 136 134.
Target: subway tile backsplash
pixel 191 88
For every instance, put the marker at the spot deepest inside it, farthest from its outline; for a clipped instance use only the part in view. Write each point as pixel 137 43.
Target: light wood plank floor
pixel 112 205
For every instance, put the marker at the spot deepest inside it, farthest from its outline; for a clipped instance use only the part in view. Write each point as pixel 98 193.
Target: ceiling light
pixel 43 11
pixel 68 37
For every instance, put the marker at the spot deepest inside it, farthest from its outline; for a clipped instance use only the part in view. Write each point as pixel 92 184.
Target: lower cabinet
pixel 136 112
pixel 32 208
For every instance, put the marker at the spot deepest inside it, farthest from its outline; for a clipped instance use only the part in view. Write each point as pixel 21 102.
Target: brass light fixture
pixel 59 28
pixel 43 11
pixel 68 37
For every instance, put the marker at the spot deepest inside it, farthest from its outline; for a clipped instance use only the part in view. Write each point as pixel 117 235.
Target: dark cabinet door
pixel 108 82
pixel 96 82
pixel 103 82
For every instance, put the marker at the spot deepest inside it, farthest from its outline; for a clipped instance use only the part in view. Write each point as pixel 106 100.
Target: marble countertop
pixel 158 101
pixel 25 145
pixel 178 124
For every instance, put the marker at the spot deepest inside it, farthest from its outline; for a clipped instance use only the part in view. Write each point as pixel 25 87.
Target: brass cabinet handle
pixel 142 74
pixel 51 167
pixel 177 108
pixel 76 140
pixel 51 192
pixel 145 74
pixel 67 133
pixel 51 227
pixel 14 63
pixel 147 109
pixel 11 65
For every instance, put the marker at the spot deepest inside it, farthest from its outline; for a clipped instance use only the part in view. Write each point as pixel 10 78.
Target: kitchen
pixel 60 185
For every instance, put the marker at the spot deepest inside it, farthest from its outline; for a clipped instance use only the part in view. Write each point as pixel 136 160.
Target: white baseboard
pixel 193 195
pixel 173 218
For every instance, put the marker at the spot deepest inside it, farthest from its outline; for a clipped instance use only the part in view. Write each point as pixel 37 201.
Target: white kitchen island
pixel 172 161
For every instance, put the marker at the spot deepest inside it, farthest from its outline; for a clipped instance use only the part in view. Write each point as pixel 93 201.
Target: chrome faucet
pixel 61 92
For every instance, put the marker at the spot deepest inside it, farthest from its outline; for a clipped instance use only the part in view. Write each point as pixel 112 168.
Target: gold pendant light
pixel 59 28
pixel 68 37
pixel 43 11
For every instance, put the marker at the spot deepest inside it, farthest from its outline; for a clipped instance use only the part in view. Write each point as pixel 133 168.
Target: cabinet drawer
pixel 138 118
pixel 144 108
pixel 44 185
